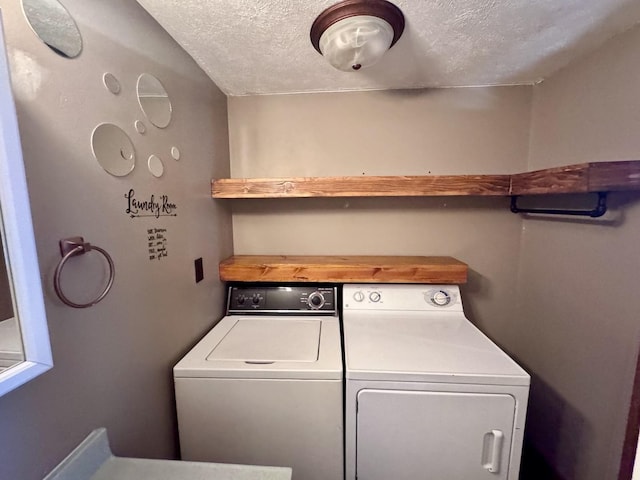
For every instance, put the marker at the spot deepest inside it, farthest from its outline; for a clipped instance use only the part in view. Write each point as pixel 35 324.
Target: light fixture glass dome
pixel 355 34
pixel 356 42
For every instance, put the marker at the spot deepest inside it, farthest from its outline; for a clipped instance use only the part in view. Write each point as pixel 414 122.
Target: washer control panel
pixel 402 297
pixel 297 299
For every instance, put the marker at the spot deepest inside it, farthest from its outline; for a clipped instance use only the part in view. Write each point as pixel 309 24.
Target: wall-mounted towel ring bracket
pixel 71 247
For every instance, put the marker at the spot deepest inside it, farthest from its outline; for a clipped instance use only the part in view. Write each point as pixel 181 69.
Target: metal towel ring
pixel 70 247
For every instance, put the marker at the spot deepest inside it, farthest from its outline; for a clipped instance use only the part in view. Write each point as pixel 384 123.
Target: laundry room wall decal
pixel 153 207
pixel 157 243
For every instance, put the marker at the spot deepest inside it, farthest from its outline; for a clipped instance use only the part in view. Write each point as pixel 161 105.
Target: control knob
pixel 375 297
pixel 241 299
pixel 255 299
pixel 440 298
pixel 358 296
pixel 315 300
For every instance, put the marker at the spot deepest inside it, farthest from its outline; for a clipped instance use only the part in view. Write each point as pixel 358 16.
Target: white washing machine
pixel 427 394
pixel 265 385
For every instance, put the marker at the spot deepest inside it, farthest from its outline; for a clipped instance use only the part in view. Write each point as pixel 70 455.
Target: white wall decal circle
pixel 156 167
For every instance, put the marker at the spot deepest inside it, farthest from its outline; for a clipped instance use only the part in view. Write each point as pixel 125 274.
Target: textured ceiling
pixel 263 47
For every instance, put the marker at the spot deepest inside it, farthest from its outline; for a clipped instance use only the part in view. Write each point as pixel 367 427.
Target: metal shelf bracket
pixel 599 210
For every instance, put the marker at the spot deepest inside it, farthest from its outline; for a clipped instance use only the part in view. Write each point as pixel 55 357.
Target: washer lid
pixel 269 340
pixel 267 347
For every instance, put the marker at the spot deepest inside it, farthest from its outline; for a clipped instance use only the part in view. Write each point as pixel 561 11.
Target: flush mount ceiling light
pixel 355 34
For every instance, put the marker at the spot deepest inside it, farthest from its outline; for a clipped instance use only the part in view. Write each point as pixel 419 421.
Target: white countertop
pixel 135 469
pixel 93 460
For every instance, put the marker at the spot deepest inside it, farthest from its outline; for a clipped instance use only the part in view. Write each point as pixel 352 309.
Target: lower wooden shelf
pixel 343 269
pixel 580 178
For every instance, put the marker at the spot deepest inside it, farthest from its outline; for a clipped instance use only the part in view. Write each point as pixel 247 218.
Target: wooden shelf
pixel 347 269
pixel 581 178
pixel 389 186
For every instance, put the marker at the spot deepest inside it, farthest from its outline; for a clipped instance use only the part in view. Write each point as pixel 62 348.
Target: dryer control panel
pixel 296 299
pixel 402 298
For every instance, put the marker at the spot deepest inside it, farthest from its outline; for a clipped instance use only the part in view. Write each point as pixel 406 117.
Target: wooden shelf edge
pixel 579 178
pixel 343 269
pixel 614 176
pixel 567 179
pixel 380 186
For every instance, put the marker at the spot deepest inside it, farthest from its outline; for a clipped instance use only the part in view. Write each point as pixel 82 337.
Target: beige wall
pixel 113 361
pixel 465 130
pixel 578 324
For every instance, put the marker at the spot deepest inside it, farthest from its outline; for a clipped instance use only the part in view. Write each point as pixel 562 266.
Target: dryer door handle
pixel 492 451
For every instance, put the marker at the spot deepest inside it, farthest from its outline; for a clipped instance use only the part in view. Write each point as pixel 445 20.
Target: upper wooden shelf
pixel 347 269
pixel 581 178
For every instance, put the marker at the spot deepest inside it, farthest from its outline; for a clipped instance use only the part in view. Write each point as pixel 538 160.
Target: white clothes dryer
pixel 265 386
pixel 427 394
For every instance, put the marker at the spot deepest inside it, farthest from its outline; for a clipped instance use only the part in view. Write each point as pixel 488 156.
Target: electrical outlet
pixel 197 263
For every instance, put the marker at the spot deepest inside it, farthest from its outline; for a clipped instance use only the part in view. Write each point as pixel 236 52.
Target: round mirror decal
pixel 154 100
pixel 140 128
pixel 54 25
pixel 156 167
pixel 113 149
pixel 111 83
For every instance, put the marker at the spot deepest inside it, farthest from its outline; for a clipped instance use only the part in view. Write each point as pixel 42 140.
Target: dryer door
pixel 407 435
